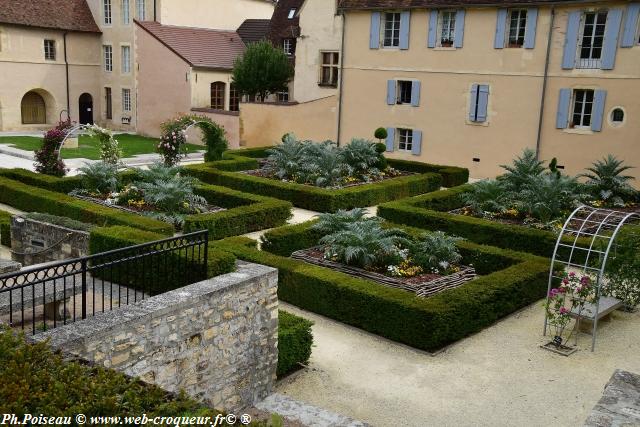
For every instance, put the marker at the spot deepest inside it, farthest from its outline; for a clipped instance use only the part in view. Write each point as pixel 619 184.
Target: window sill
pixel 579 131
pixel 470 123
pixel 328 85
pixel 445 48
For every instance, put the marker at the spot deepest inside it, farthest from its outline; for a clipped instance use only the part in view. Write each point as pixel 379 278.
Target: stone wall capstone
pixel 217 339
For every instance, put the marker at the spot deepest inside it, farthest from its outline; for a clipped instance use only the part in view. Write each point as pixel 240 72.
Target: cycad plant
pixel 435 251
pixel 286 158
pixel 172 196
pixel 606 181
pixel 366 244
pixel 158 172
pixel 329 223
pixel 323 165
pixel 488 196
pixel 548 196
pixel 523 168
pixel 361 156
pixel 100 177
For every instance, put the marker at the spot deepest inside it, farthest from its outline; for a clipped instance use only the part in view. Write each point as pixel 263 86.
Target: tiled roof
pixel 253 30
pixel 70 15
pixel 281 26
pixel 410 4
pixel 200 47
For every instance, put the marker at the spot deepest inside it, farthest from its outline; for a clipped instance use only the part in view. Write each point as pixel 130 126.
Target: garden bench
pixel 607 305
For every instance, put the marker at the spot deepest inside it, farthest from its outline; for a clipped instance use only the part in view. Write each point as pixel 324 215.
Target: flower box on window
pixel 446 43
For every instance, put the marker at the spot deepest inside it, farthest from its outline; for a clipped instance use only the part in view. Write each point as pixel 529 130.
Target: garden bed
pixel 423 285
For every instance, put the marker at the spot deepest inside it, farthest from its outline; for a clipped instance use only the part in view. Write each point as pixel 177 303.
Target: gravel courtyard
pixel 499 377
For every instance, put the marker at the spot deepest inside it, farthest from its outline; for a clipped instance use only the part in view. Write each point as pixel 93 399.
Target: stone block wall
pixel 35 242
pixel 217 339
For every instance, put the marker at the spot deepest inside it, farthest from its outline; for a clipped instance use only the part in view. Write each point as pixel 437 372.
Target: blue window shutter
pixel 571 40
pixel 415 93
pixel 500 29
pixel 459 28
pixel 610 43
pixel 530 30
pixel 562 116
pixel 374 36
pixel 405 22
pixel 599 99
pixel 433 28
pixel 483 102
pixel 391 137
pixel 391 92
pixel 630 25
pixel 416 143
pixel 472 102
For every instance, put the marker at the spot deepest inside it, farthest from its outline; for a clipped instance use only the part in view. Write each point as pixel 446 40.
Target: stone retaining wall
pixel 31 238
pixel 216 339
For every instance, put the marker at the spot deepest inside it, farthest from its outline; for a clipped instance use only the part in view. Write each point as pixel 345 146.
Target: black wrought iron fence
pixel 46 296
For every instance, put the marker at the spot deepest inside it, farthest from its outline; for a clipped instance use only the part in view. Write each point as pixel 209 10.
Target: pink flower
pixel 563 310
pixel 565 281
pixel 572 274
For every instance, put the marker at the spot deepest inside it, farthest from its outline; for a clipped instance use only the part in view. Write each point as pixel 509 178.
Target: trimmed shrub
pixel 451 175
pixel 60 220
pixel 33 199
pixel 294 342
pixel 36 380
pixel 48 182
pixel 320 199
pixel 424 323
pixel 5 228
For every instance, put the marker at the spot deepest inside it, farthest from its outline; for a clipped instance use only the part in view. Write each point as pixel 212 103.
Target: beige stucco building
pixel 474 86
pixel 214 14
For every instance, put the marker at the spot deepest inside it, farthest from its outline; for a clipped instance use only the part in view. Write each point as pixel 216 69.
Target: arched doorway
pixel 85 108
pixel 33 109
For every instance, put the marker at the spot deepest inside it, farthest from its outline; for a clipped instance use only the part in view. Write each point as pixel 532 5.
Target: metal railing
pixel 46 296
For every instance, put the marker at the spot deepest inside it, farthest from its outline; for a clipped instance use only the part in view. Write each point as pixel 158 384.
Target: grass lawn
pixel 88 147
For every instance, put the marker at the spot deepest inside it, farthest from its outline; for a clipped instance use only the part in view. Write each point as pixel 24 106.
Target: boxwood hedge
pixel 294 342
pixel 430 211
pixel 5 228
pixel 509 281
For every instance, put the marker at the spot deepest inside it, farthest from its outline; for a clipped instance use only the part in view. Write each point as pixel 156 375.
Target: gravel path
pixel 499 377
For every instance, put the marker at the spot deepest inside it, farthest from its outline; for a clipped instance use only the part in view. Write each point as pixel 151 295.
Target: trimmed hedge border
pixel 430 211
pixel 509 281
pixel 33 199
pixel 318 199
pixel 48 182
pixel 5 228
pixel 294 342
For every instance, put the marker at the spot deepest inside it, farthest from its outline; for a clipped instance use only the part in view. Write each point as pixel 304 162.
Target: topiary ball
pixel 380 133
pixel 381 147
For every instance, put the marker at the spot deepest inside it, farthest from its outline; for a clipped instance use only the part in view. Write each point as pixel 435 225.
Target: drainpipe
pixel 341 79
pixel 544 83
pixel 155 9
pixel 66 66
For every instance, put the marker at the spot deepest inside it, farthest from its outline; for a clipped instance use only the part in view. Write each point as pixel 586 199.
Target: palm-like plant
pixel 435 251
pixel 606 181
pixel 100 177
pixel 158 172
pixel 522 169
pixel 172 196
pixel 322 164
pixel 329 223
pixel 488 196
pixel 366 244
pixel 361 156
pixel 286 158
pixel 548 196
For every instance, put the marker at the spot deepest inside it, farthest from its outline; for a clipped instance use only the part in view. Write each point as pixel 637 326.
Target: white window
pixel 140 8
pixel 329 68
pixel 126 19
pixel 405 140
pixel 50 50
pixel 391 30
pixel 108 57
pixel 403 91
pixel 292 13
pixel 447 28
pixel 106 9
pixel 582 107
pixel 126 100
pixel 517 27
pixel 591 39
pixel 126 59
pixel 287 46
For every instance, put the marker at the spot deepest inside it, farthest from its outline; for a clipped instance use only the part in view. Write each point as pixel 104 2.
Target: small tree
pixel 47 159
pixel 263 69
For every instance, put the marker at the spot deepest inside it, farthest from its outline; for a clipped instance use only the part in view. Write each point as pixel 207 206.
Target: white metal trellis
pixel 588 231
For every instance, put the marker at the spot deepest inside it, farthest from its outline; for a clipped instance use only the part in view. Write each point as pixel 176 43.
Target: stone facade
pixel 217 339
pixel 30 240
pixel 620 402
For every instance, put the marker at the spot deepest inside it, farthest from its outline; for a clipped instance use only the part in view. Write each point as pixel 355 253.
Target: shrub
pixel 59 184
pixel 47 157
pixel 294 342
pixel 329 223
pixel 451 175
pixel 110 151
pixel 62 221
pixel 548 197
pixel 5 229
pixel 523 168
pixel 361 156
pixel 623 268
pixel 36 380
pixel 100 177
pixel 606 181
pixel 380 133
pixel 435 251
pixel 172 141
pixel 487 195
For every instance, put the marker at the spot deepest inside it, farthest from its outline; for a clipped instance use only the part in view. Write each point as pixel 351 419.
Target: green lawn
pixel 88 146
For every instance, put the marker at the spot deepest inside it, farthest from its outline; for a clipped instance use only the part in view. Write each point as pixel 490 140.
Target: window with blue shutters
pixel 517 27
pixel 446 28
pixel 586 110
pixel 591 39
pixel 630 34
pixel 405 92
pixel 389 30
pixel 405 140
pixel 478 103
